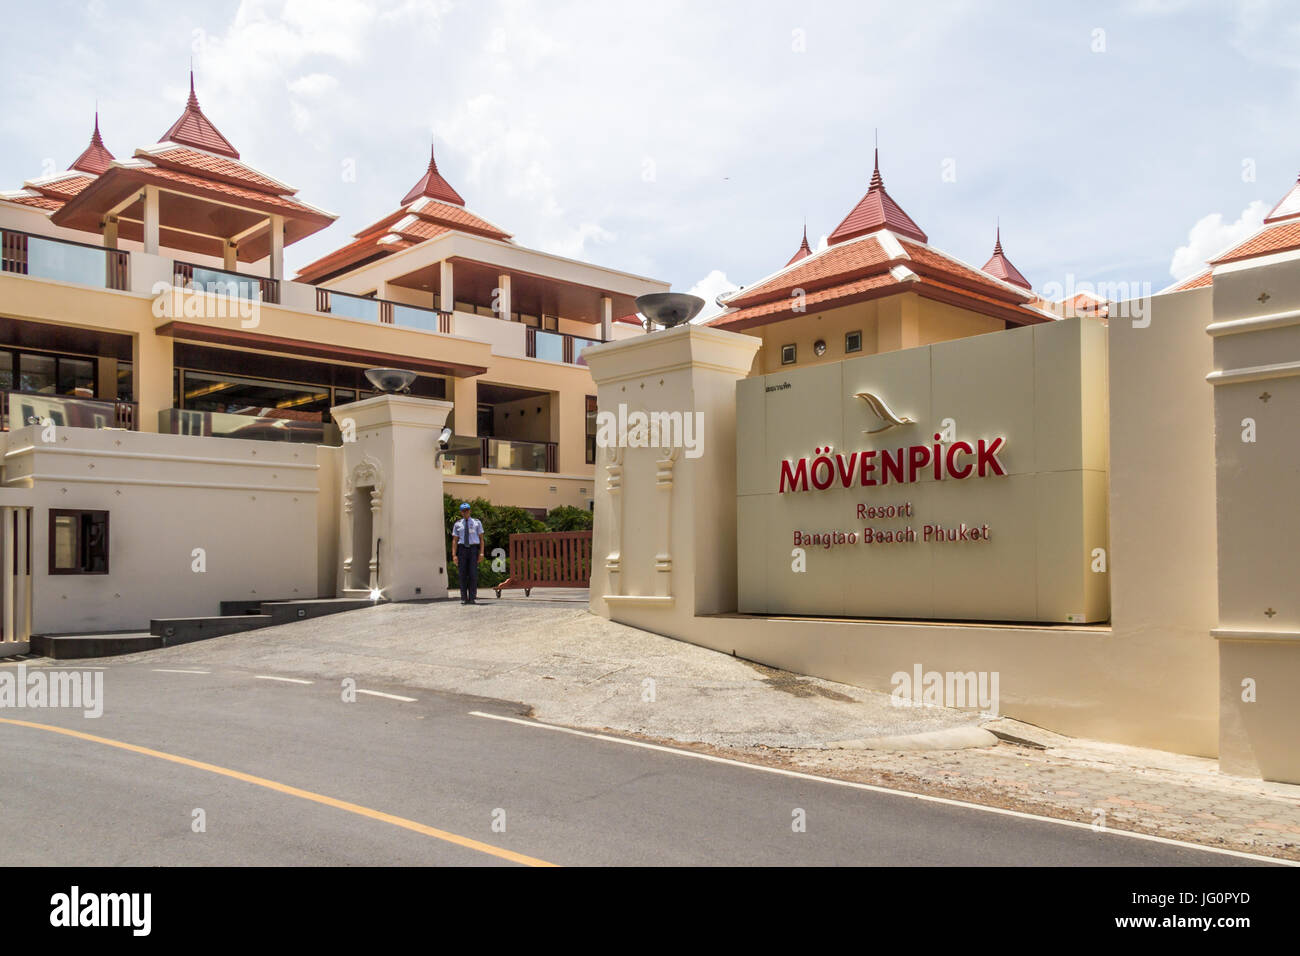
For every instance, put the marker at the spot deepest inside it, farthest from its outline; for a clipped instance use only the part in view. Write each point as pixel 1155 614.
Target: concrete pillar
pixel 664 547
pixel 1256 381
pixel 606 318
pixel 465 396
pixel 151 222
pixel 504 310
pixel 277 247
pixel 229 255
pixel 391 472
pixel 446 286
pixel 151 356
pixel 110 232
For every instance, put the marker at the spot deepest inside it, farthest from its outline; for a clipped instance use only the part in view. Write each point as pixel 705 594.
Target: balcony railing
pixel 557 346
pixel 18 409
pixel 178 421
pixel 519 455
pixel 224 282
pixel 383 311
pixel 44 258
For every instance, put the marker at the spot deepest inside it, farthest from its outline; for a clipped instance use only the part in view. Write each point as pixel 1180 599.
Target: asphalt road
pixel 291 774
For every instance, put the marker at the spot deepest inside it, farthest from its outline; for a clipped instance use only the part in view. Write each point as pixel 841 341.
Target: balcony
pixel 382 311
pixel 41 257
pixel 510 455
pixel 557 346
pixel 223 282
pixel 278 427
pixel 18 409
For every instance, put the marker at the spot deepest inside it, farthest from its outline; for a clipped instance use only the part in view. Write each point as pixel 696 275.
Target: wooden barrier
pixel 549 559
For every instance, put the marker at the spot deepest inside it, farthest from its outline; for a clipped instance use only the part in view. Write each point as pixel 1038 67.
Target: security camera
pixel 444 439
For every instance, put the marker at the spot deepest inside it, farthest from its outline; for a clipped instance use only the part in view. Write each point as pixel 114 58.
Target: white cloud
pixel 1211 235
pixel 313 84
pixel 708 289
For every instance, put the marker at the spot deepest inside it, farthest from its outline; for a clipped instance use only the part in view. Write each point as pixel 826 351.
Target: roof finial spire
pixel 997 243
pixel 876 181
pixel 433 160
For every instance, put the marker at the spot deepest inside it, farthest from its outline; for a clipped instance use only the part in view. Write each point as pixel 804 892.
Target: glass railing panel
pixel 516 455
pixel 177 421
pixel 220 282
pixel 464 456
pixel 578 346
pixel 414 317
pixel 550 346
pixel 34 408
pixel 66 262
pixel 354 307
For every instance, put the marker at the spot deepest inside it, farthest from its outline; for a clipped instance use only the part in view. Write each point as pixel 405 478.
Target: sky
pixel 690 141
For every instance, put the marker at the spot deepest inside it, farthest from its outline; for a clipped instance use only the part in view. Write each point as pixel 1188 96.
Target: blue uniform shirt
pixel 467 528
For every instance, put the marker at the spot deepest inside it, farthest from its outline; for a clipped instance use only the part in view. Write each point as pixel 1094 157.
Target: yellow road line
pixel 294 792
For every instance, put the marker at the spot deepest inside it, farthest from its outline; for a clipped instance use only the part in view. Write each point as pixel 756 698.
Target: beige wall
pixel 1046 518
pixel 1148 679
pixel 1256 385
pixel 250 505
pixel 894 322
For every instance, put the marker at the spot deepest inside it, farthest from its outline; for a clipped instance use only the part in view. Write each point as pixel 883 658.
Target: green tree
pixel 568 518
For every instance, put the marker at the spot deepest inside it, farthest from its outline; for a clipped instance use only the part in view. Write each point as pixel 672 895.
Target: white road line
pixel 287 680
pixel 897 793
pixel 168 670
pixel 377 693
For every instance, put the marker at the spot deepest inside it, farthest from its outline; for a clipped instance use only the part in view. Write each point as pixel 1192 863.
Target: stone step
pixel 183 630
pixel 71 646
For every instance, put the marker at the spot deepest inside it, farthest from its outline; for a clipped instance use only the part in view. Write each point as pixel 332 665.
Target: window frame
pixel 79 514
pixel 794 354
pixel 847 350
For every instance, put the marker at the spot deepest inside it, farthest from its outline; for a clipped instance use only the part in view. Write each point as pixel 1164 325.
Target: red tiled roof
pixel 1288 206
pixel 876 210
pixel 803 251
pixel 831 263
pixel 65 188
pixel 95 158
pixel 833 293
pixel 1195 282
pixel 218 167
pixel 1000 266
pixel 427 212
pixel 40 202
pixel 174 177
pixel 195 129
pixel 459 219
pixel 1279 238
pixel 432 184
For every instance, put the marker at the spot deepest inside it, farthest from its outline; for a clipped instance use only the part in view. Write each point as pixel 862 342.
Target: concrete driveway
pixel 571 667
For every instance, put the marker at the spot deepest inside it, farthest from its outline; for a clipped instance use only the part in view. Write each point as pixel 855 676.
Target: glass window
pixel 787 355
pixel 591 429
pixel 485 418
pixel 125 381
pixel 211 392
pixel 76 377
pixel 36 373
pixel 78 542
pixel 6 369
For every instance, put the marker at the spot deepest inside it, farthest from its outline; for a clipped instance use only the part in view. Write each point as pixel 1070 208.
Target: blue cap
pixel 464 506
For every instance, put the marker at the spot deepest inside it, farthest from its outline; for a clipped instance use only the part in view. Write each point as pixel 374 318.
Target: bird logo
pixel 883 412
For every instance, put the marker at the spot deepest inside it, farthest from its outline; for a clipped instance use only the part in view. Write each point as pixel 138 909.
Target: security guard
pixel 468 536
